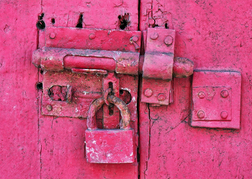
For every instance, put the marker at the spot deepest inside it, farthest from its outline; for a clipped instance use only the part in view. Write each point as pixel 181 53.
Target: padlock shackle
pixel 97 104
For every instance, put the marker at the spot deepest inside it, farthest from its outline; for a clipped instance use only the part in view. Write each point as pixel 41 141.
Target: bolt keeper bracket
pixel 159 66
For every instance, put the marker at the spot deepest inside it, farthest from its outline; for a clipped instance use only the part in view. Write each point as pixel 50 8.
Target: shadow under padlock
pixel 109 145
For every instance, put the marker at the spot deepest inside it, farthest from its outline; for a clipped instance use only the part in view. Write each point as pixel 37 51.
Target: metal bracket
pixel 78 64
pixel 159 66
pixel 216 99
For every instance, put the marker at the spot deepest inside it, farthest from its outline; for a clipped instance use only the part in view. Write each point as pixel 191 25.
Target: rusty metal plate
pixel 94 39
pixel 158 66
pixel 85 88
pixel 216 99
pixel 156 92
pixel 58 59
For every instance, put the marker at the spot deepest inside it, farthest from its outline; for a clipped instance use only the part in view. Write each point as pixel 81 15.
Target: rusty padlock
pixel 109 145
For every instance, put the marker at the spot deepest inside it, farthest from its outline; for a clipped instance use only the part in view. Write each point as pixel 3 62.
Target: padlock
pixel 109 145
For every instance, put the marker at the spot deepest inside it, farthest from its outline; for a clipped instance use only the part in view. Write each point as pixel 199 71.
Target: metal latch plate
pixel 216 99
pixel 73 63
pixel 83 93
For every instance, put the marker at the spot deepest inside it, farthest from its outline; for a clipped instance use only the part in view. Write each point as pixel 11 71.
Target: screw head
pixel 224 93
pixel 52 35
pixel 161 97
pixel 151 21
pixel 134 38
pixel 91 36
pixel 49 107
pixel 224 114
pixel 201 114
pixel 154 36
pixel 168 40
pixel 148 92
pixel 201 95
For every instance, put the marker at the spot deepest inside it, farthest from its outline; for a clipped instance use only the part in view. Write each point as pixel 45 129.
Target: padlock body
pixel 110 146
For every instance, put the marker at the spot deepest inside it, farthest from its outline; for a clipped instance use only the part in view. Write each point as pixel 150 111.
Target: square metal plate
pixel 216 99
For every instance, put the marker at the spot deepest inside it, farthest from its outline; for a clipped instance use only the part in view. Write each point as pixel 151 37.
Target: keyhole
pixel 111 87
pixel 111 106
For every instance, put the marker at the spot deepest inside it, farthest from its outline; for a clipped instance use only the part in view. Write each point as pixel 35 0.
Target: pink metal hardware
pixel 160 66
pixel 110 85
pixel 216 99
pixel 119 143
pixel 57 59
pixel 93 39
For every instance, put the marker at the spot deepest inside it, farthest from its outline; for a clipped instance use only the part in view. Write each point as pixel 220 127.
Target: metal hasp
pixel 159 66
pixel 216 99
pixel 84 69
pixel 77 63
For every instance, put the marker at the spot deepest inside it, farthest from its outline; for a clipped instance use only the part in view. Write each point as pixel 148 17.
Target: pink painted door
pixel 191 137
pixel 204 132
pixel 39 145
pixel 63 153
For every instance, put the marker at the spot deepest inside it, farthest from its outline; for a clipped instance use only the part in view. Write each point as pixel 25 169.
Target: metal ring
pixel 97 104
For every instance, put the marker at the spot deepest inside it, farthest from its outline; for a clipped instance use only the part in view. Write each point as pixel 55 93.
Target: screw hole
pixel 40 17
pixel 39 86
pixel 53 21
pixel 123 21
pixel 111 109
pixel 40 24
pixel 154 25
pixel 80 21
pixel 111 87
pixel 166 26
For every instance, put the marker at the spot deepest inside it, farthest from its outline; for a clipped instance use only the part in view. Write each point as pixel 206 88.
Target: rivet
pixel 154 36
pixel 151 21
pixel 49 107
pixel 224 93
pixel 134 38
pixel 224 114
pixel 148 92
pixel 168 40
pixel 201 114
pixel 161 97
pixel 52 35
pixel 91 36
pixel 201 95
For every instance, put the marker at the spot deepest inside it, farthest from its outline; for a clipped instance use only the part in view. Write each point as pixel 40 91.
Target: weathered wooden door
pixel 204 132
pixel 216 36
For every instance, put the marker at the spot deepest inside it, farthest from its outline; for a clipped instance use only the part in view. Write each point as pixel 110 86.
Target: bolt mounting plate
pixel 216 99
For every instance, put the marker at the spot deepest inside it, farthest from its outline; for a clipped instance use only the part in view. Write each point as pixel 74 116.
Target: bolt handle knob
pixel 182 67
